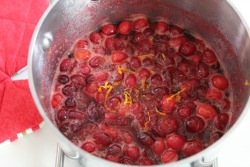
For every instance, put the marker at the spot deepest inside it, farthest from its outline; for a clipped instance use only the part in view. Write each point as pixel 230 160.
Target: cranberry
pixel 69 90
pixel 168 104
pixel 119 45
pixel 127 137
pixel 96 37
pixel 187 49
pixel 62 114
pixel 209 57
pixel 101 76
pixel 146 161
pixel 109 29
pixel 125 27
pixel 147 62
pixel 221 121
pixel 131 81
pixel 161 27
pixel 118 57
pixel 63 79
pixel 91 88
pixel 214 136
pixel 140 23
pixel 90 78
pixel 114 102
pixel 160 91
pixel 158 146
pixel 159 40
pixel 144 73
pixel 195 124
pixel 169 156
pixel 203 70
pixel 78 81
pixel 176 42
pixel 132 151
pixel 85 70
pixel 192 147
pixel 70 103
pixel 175 141
pixel 184 111
pixel 97 61
pixel 145 138
pixel 206 111
pixel 148 32
pixel 95 114
pixel 213 94
pixel 102 138
pixel 220 82
pixel 73 114
pixel 117 76
pixel 100 97
pixel 156 80
pixel 128 161
pixel 144 45
pixel 82 44
pixel 165 125
pixel 66 65
pixel 135 62
pixel 82 54
pixel 88 146
pixel 175 30
pixel 56 100
pixel 139 36
pixel 113 159
pixel 115 150
pixel 100 50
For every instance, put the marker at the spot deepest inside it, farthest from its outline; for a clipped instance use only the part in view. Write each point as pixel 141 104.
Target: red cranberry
pixel 131 81
pixel 56 100
pixel 148 32
pixel 206 111
pixel 74 114
pixel 169 156
pixel 200 45
pixel 97 61
pixel 70 103
pixel 82 54
pixel 175 30
pixel 114 102
pixel 85 70
pixel 203 70
pixel 165 125
pixel 156 80
pixel 214 136
pixel 176 42
pixel 132 151
pixel 175 141
pixel 113 159
pixel 144 45
pixel 66 65
pixel 195 124
pixel 135 62
pixel 187 49
pixel 69 90
pixel 146 161
pixel 147 62
pixel 78 81
pixel 138 36
pixel 101 76
pixel 159 40
pixel 125 27
pixel 100 97
pixel 144 73
pixel 96 37
pixel 82 44
pixel 117 77
pixel 168 104
pixel 119 45
pixel 160 91
pixel 62 114
pixel 100 50
pixel 127 137
pixel 184 111
pixel 140 23
pixel 221 121
pixel 209 57
pixel 118 57
pixel 192 147
pixel 115 150
pixel 109 29
pixel 88 146
pixel 63 79
pixel 213 94
pixel 110 43
pixel 92 87
pixel 102 138
pixel 220 82
pixel 161 27
pixel 145 138
pixel 90 78
pixel 159 146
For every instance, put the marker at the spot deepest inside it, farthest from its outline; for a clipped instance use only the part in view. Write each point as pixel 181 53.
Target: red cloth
pixel 18 19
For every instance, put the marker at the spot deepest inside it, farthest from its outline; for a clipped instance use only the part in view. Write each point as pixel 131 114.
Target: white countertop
pixel 39 148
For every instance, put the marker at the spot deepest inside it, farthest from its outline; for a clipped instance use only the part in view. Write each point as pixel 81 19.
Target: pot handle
pixel 201 163
pixel 59 157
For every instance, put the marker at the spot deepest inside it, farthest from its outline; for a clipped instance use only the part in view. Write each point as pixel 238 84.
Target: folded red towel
pixel 18 112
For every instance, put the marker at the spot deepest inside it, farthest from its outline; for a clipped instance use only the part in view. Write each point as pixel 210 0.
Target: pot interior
pixel 215 21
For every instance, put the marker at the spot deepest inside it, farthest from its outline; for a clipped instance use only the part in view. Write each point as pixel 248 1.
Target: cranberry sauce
pixel 141 92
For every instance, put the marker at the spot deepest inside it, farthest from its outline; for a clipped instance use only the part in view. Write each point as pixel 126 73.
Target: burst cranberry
pixel 96 37
pixel 195 124
pixel 115 150
pixel 131 81
pixel 78 81
pixel 175 30
pixel 213 94
pixel 187 49
pixel 135 62
pixel 56 100
pixel 109 29
pixel 118 57
pixel 125 27
pixel 84 69
pixel 74 114
pixel 132 151
pixel 82 54
pixel 176 42
pixel 145 138
pixel 88 146
pixel 156 80
pixel 192 147
pixel 144 45
pixel 95 114
pixel 62 114
pixel 119 45
pixel 161 27
pixel 169 156
pixel 82 44
pixel 63 79
pixel 97 61
pixel 147 62
pixel 148 32
pixel 159 146
pixel 160 91
pixel 100 50
pixel 203 70
pixel 91 88
pixel 140 23
pixel 175 141
pixel 206 111
pixel 66 65
pixel 220 82
pixel 221 121
pixel 102 138
pixel 127 137
pixel 144 73
pixel 209 57
pixel 214 136
pixel 184 111
pixel 90 78
pixel 160 40
pixel 146 161
pixel 69 90
pixel 70 103
pixel 117 77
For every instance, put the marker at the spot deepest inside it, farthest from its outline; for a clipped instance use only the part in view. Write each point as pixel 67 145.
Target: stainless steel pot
pixel 65 20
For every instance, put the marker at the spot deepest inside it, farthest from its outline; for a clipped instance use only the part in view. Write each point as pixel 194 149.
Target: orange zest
pixel 128 99
pixel 176 96
pixel 143 83
pixel 163 57
pixel 161 113
pixel 123 70
pixel 146 127
pixel 109 88
pixel 247 83
pixel 144 56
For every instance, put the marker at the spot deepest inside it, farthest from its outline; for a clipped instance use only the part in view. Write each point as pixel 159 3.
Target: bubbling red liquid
pixel 141 92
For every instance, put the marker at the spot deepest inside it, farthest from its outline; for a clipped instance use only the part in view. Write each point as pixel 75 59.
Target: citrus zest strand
pixel 123 70
pixel 247 83
pixel 161 113
pixel 109 88
pixel 143 83
pixel 163 57
pixel 144 56
pixel 128 99
pixel 146 123
pixel 176 95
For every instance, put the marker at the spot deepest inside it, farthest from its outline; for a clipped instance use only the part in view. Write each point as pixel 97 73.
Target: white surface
pixel 39 149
